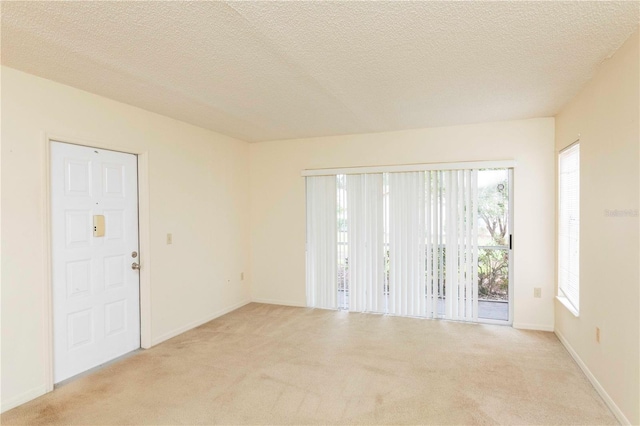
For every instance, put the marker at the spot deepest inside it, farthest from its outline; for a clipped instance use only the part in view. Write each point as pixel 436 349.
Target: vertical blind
pixel 403 243
pixel 569 224
pixel 321 242
pixel 365 243
pixel 460 249
pixel 407 291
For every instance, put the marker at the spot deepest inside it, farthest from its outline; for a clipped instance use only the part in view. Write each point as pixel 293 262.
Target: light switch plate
pixel 169 239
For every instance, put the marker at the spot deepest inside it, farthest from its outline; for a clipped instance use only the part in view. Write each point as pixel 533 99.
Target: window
pixel 569 227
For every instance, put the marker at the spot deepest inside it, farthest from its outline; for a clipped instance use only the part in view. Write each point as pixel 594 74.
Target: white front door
pixel 96 309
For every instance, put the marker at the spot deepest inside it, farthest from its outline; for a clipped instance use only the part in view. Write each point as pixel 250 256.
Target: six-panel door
pixel 96 314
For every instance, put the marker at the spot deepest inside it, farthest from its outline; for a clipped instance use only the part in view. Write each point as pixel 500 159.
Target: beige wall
pixel 604 116
pixel 278 200
pixel 199 191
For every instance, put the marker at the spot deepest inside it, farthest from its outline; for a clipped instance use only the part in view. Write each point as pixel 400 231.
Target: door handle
pixel 135 266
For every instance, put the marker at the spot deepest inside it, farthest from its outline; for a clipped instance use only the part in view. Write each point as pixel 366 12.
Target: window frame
pixel 564 295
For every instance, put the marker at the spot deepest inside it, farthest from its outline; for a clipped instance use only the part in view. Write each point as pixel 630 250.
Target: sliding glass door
pixel 435 244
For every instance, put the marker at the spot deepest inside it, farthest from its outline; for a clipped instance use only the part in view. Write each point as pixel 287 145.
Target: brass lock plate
pixel 98 225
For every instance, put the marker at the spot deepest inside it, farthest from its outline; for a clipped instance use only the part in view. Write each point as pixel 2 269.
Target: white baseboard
pixel 194 324
pixel 537 327
pixel 23 397
pixel 603 393
pixel 279 302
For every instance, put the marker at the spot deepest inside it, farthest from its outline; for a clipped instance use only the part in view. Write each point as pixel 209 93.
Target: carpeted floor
pixel 267 364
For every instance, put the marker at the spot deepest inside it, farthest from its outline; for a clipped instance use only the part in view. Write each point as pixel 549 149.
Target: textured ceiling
pixel 277 70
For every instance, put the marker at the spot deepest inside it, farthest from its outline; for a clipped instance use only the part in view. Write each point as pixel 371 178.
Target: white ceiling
pixel 277 70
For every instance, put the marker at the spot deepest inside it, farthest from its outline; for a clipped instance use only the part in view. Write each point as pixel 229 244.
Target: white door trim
pixel 144 243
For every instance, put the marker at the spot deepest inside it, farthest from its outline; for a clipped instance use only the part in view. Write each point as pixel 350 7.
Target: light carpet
pixel 268 364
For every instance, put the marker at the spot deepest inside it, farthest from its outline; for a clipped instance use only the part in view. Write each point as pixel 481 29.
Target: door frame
pixel 512 236
pixel 143 242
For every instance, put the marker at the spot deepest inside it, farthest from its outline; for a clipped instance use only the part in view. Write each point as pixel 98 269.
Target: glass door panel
pixel 494 235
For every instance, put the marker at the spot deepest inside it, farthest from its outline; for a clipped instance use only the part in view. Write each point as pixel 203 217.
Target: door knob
pixel 135 265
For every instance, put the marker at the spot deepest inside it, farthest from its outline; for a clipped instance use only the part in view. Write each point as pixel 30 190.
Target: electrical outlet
pixel 537 292
pixel 597 334
pixel 169 239
pixel 241 276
